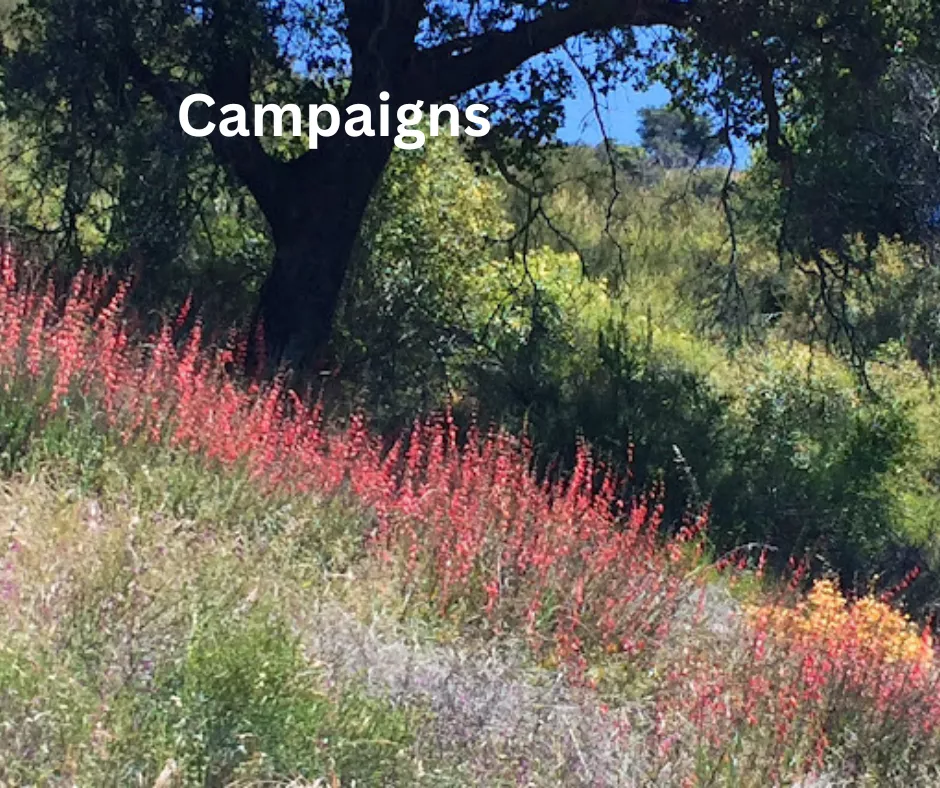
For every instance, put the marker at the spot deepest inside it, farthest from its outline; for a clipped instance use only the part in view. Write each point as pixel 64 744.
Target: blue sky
pixel 619 115
pixel 619 110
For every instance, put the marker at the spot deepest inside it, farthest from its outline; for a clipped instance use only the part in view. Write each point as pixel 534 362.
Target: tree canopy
pixel 676 139
pixel 98 81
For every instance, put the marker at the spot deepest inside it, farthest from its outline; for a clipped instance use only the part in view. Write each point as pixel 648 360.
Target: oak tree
pixel 90 68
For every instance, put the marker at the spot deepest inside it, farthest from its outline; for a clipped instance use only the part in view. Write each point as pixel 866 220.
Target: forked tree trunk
pixel 315 223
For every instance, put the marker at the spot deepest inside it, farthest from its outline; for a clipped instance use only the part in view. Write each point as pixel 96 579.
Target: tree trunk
pixel 299 297
pixel 315 223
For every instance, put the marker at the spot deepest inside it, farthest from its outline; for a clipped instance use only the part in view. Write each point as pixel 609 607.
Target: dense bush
pixel 809 463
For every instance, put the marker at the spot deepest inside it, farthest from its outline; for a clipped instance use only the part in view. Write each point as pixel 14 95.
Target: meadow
pixel 588 443
pixel 204 581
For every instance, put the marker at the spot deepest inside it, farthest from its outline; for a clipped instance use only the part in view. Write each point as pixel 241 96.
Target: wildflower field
pixel 194 565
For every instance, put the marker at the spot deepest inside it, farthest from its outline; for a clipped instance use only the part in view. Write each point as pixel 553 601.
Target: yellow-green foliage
pixel 616 327
pixel 504 295
pixel 426 245
pixel 429 230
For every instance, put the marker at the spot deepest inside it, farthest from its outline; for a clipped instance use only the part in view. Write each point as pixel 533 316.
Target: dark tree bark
pixel 315 223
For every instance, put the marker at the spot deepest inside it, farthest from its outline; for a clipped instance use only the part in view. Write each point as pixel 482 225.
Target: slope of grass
pixel 136 643
pixel 172 532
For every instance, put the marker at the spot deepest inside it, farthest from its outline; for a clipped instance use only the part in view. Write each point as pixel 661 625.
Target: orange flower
pixel 869 627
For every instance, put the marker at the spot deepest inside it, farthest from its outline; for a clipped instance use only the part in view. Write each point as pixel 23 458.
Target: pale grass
pixel 74 566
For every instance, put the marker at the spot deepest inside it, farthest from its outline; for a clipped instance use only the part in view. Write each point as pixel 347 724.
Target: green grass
pixel 134 641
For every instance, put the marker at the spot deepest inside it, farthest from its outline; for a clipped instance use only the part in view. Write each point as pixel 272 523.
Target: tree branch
pixel 261 173
pixel 777 147
pixel 456 66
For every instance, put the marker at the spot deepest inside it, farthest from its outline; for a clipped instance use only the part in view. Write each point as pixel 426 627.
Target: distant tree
pixel 677 139
pixel 82 74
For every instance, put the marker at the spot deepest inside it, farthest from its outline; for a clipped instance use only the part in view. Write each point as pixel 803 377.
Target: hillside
pixel 205 583
pixel 469 393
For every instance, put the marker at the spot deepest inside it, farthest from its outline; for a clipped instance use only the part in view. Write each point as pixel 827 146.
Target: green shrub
pixel 45 716
pixel 808 466
pixel 244 701
pixel 238 700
